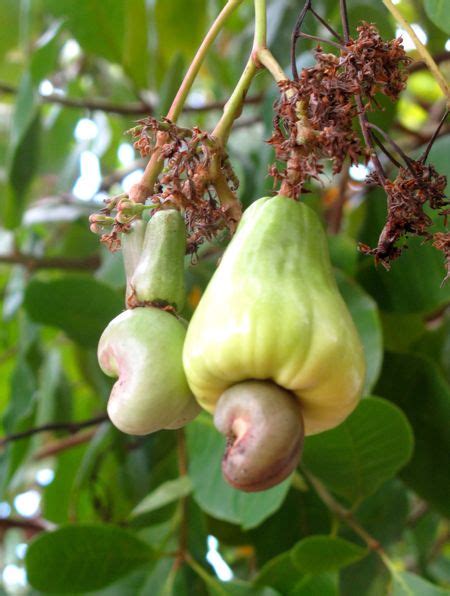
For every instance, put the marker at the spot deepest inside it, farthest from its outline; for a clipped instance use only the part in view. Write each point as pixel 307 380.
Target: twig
pixel 64 444
pixel 434 136
pixel 322 40
pixel 393 144
pixel 344 19
pixel 363 121
pixel 326 25
pixel 183 470
pixel 422 50
pixel 344 514
pixel 126 109
pixel 31 262
pixel 420 65
pixel 33 526
pixel 70 427
pixel 295 36
pixel 385 150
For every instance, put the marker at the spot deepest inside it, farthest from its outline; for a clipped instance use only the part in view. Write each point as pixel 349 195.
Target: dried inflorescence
pixel 414 187
pixel 441 241
pixel 189 183
pixel 376 66
pixel 315 114
pixel 314 121
pixel 197 179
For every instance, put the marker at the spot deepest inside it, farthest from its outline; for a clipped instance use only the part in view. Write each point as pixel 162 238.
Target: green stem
pixel 234 105
pixel 260 56
pixel 180 98
pixel 260 25
pixel 155 163
pixel 267 59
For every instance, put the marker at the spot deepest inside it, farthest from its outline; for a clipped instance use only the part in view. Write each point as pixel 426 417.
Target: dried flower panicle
pixel 441 241
pixel 415 187
pixel 315 113
pixel 377 66
pixel 188 182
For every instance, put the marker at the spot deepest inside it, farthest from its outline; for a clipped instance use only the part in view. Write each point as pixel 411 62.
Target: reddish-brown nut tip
pixel 264 429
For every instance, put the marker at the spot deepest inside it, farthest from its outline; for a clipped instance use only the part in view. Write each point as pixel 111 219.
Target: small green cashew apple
pixel 163 251
pixel 143 348
pixel 272 312
pixel 132 243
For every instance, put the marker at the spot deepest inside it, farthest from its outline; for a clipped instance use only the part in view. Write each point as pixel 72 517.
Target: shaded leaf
pixel 135 59
pixel 409 584
pixel 317 554
pixel 416 385
pixel 356 457
pixel 169 491
pixel 82 558
pixel 78 304
pixel 179 28
pixel 98 25
pixel 365 315
pixel 438 12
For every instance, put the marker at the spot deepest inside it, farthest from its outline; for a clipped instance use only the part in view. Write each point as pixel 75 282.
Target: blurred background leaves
pixel 74 76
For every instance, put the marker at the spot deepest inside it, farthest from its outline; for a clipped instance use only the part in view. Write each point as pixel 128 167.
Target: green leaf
pixel 317 554
pixel 326 584
pixel 78 304
pixel 170 84
pixel 169 491
pixel 417 385
pixel 24 146
pixel 280 573
pixel 371 12
pixel 438 12
pixel 413 284
pixel 206 447
pixel 384 513
pixel 409 584
pixel 356 457
pixel 22 153
pixel 82 558
pixel 365 315
pixel 180 28
pixel 135 59
pixel 98 25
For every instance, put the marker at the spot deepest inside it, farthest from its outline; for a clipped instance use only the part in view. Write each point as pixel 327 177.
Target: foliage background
pixel 74 76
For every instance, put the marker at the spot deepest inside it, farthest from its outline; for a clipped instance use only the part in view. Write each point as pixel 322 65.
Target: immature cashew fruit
pixel 272 312
pixel 163 251
pixel 132 244
pixel 143 347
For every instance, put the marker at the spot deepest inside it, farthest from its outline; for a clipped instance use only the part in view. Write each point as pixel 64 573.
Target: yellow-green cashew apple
pixel 272 312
